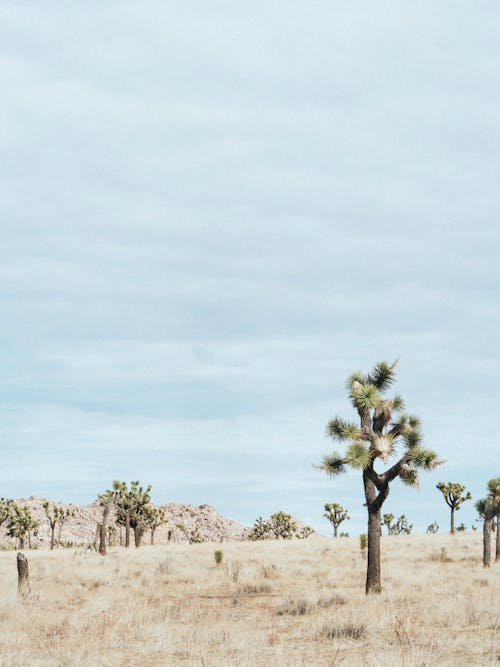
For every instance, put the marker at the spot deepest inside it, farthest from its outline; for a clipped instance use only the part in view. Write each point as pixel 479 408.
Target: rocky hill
pixel 184 523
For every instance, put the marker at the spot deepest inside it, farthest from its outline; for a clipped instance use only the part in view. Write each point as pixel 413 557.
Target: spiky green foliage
pixel 358 455
pixel 382 376
pixel 341 430
pixel 412 436
pixel 357 376
pixel 398 403
pixel 365 396
pixel 333 464
pixel 432 528
pixel 494 489
pixel 426 459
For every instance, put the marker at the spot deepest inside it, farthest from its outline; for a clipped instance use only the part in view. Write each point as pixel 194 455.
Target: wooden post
pixel 23 582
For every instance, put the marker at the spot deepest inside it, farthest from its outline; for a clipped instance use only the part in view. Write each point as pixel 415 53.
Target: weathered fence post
pixel 23 582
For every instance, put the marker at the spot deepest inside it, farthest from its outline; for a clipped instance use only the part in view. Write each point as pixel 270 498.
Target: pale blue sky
pixel 212 212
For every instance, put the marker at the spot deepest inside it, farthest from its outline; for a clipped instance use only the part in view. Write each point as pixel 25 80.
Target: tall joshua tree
pixel 375 439
pixel 335 514
pixel 453 493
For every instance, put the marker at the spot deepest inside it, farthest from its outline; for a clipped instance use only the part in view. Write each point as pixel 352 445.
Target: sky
pixel 211 213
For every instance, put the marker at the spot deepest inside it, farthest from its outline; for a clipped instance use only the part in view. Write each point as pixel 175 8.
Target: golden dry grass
pixel 273 603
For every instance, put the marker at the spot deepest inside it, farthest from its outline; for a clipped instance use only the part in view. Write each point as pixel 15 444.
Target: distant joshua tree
pixel 488 509
pixel 400 526
pixel 432 528
pixel 376 438
pixel 155 517
pixel 56 516
pixel 279 526
pixel 6 505
pixel 21 524
pixel 453 495
pixel 335 514
pixel 131 505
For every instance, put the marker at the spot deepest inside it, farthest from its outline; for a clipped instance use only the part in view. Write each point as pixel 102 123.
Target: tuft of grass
pixel 347 630
pixel 256 589
pixel 440 556
pixel 295 607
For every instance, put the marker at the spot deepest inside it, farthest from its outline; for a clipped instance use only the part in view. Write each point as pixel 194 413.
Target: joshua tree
pixel 106 501
pixel 376 438
pixel 21 524
pixel 130 504
pixel 56 516
pixel 494 494
pixel 400 527
pixel 155 517
pixel 453 495
pixel 304 533
pixel 335 514
pixel 432 528
pixel 488 509
pixel 279 526
pixel 5 509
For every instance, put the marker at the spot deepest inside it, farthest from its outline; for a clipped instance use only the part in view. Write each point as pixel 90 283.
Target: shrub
pixel 346 631
pixel 363 541
pixel 218 555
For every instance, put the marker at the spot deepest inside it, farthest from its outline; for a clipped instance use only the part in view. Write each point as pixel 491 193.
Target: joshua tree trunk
pixel 21 542
pixel 138 536
pixel 373 567
pixel 153 535
pixel 52 536
pixel 23 582
pixel 102 528
pixel 335 528
pixel 127 529
pixel 452 527
pixel 487 540
pixel 102 539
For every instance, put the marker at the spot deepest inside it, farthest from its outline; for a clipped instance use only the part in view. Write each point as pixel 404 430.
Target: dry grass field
pixel 269 603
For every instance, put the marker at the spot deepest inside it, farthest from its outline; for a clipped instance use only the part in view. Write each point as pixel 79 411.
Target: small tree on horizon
pixel 374 439
pixel 453 493
pixel 335 514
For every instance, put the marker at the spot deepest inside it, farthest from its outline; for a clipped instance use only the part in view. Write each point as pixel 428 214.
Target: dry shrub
pixel 256 589
pixel 295 607
pixel 347 630
pixel 335 599
pixel 270 571
pixel 440 556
